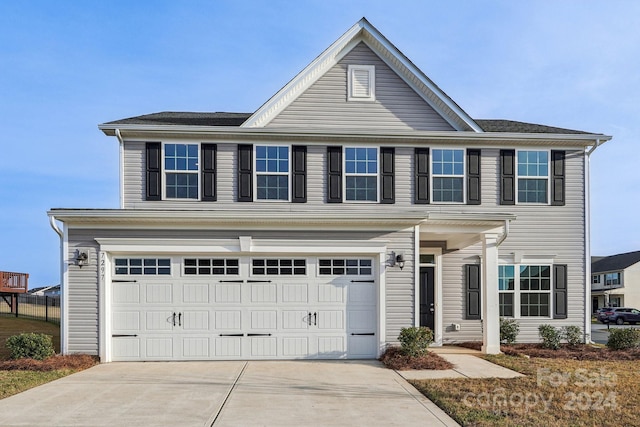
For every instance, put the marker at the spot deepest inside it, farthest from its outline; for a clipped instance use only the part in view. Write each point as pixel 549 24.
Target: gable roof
pixel 615 262
pixel 184 118
pixel 364 32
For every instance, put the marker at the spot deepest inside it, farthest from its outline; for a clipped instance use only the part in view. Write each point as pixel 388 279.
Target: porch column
pixel 490 302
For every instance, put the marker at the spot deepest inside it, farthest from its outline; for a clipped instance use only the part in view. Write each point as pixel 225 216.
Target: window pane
pixel 532 190
pixel 362 188
pixel 448 190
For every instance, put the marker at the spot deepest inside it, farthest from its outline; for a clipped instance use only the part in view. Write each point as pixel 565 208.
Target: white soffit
pixel 363 31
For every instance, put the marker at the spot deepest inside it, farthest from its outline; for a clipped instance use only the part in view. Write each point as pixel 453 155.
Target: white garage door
pixel 200 308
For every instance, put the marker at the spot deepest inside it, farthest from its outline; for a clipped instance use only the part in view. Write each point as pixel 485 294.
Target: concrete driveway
pixel 269 393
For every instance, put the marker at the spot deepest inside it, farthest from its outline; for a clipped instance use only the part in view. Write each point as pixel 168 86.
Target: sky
pixel 66 66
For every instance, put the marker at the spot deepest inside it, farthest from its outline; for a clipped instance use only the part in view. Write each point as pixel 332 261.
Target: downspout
pixel 505 234
pixel 587 238
pixel 63 286
pixel 121 166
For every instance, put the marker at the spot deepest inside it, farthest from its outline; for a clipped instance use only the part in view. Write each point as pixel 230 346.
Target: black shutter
pixel 560 291
pixel 208 153
pixel 557 178
pixel 473 177
pixel 299 174
pixel 334 175
pixel 387 175
pixel 154 174
pixel 473 304
pixel 507 177
pixel 421 172
pixel 245 173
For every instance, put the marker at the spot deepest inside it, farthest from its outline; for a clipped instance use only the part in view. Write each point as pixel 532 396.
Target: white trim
pixel 382 300
pixel 437 292
pixel 587 247
pixel 371 72
pixel 416 276
pixel 64 292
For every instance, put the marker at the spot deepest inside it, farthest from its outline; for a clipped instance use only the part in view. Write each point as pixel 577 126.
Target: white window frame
pixel 548 178
pixel 225 267
pixel 463 176
pixel 345 174
pixel 371 70
pixel 165 172
pixel 517 292
pixel 357 267
pixel 256 173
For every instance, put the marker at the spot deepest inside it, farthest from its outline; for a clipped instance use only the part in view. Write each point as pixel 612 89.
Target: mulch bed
pixel 394 359
pixel 53 363
pixel 580 352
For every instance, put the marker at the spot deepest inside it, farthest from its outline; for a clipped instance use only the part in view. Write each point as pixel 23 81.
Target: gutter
pixel 502 238
pixel 63 285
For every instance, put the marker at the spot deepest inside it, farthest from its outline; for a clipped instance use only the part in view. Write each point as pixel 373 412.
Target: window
pixel 595 279
pixel 279 267
pixel 143 266
pixel 506 287
pixel 448 175
pixel 361 83
pixel 352 267
pixel 211 266
pixel 611 279
pixel 361 174
pixel 272 172
pixel 533 176
pixel 181 171
pixel 533 290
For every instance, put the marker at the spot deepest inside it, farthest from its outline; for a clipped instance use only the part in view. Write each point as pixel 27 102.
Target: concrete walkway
pixel 269 393
pixel 466 364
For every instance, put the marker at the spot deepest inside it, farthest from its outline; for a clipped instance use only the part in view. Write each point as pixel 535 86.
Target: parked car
pixel 601 316
pixel 619 315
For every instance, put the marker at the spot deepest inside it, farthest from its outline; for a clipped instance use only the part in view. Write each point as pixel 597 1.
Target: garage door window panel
pixel 211 267
pixel 143 266
pixel 279 267
pixel 349 267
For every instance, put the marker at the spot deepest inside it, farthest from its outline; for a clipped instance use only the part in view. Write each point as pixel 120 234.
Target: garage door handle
pixel 179 319
pixel 231 335
pixel 258 281
pixel 122 335
pixel 258 335
pixel 363 281
pixel 315 319
pixel 174 319
pixel 367 334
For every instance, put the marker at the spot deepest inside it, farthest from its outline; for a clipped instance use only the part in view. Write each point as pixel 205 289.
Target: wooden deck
pixel 13 283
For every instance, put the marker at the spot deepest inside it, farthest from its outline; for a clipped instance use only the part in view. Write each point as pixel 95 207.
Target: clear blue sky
pixel 66 66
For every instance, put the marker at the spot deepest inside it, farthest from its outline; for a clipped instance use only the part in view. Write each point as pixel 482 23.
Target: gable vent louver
pixel 361 83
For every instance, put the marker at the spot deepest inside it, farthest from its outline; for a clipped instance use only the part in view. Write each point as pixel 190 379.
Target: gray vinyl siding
pixel 82 294
pixel 83 288
pixel 325 104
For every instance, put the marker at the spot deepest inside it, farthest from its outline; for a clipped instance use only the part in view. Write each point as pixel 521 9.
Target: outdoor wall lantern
pixel 397 260
pixel 82 257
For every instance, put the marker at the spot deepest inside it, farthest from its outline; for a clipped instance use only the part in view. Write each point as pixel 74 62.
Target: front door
pixel 427 306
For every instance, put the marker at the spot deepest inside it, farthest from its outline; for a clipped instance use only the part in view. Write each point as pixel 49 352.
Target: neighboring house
pixel 615 281
pixel 49 291
pixel 358 200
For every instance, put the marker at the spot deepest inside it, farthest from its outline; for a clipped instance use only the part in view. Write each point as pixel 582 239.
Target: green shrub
pixel 550 336
pixel 622 339
pixel 572 334
pixel 509 330
pixel 414 341
pixel 30 346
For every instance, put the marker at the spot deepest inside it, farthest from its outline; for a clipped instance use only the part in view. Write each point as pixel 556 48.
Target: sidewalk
pixel 466 364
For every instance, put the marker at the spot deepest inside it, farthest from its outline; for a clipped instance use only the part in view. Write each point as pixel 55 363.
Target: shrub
pixel 509 330
pixel 572 334
pixel 414 341
pixel 30 345
pixel 622 339
pixel 550 336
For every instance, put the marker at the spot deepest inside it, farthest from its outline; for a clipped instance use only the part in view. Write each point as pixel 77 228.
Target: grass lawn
pixel 15 325
pixel 17 376
pixel 555 392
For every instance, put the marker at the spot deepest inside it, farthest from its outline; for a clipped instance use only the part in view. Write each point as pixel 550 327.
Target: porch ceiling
pixel 457 231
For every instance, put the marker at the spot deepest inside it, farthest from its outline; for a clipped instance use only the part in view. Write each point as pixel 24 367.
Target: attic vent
pixel 362 83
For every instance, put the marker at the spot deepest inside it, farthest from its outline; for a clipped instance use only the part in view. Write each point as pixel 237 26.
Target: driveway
pixel 265 393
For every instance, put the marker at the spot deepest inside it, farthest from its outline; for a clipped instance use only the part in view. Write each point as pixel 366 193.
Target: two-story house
pixel 357 200
pixel 615 281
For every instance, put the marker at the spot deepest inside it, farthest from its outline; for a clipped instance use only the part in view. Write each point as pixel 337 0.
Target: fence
pixel 34 307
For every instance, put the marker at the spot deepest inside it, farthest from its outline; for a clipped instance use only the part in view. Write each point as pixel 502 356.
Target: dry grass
pixel 394 359
pixel 74 362
pixel 558 392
